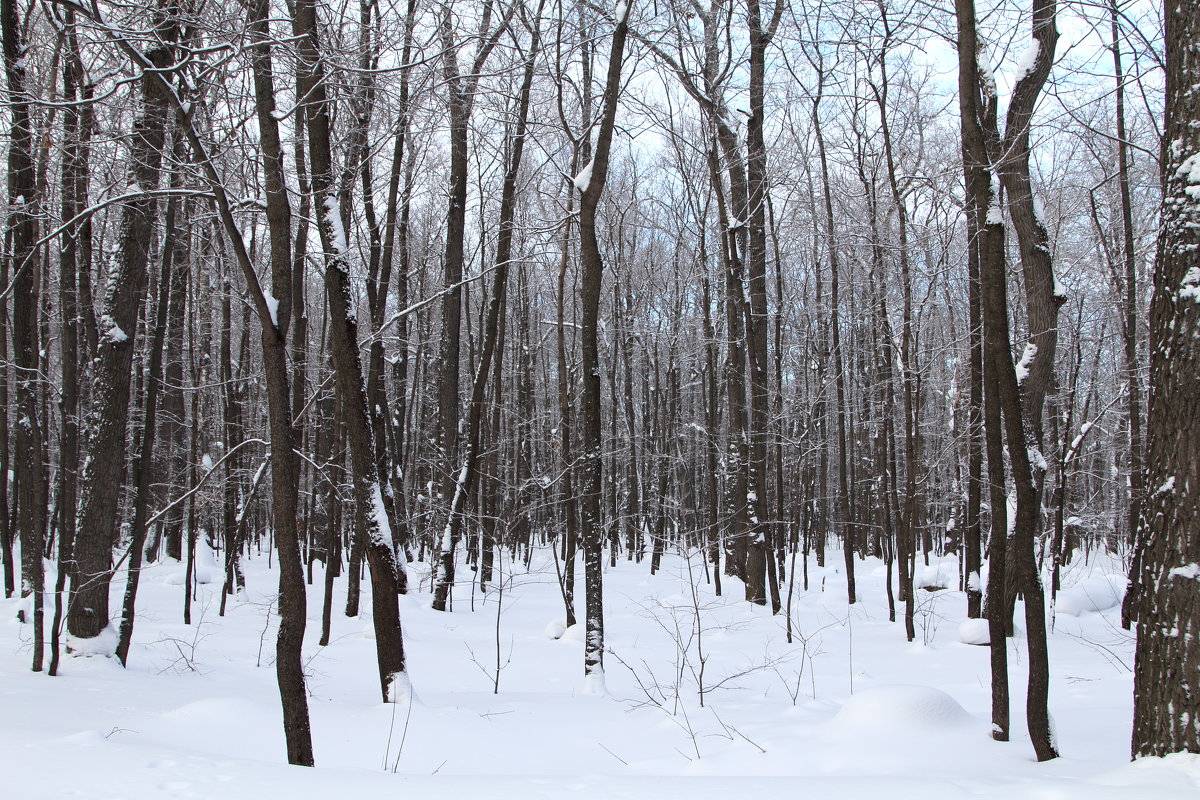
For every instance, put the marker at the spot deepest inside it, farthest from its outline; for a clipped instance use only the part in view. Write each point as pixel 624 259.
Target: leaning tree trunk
pixel 1020 393
pixel 369 486
pixel 273 308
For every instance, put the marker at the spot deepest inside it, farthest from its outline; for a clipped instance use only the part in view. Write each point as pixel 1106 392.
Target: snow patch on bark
pixel 995 213
pixel 112 331
pixel 1190 571
pixel 1026 362
pixel 333 218
pixel 584 179
pixel 1189 287
pixel 379 514
pixel 987 78
pixel 272 307
pixel 1189 170
pixel 1028 60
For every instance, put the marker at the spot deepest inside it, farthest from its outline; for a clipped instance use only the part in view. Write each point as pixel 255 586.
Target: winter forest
pixel 650 399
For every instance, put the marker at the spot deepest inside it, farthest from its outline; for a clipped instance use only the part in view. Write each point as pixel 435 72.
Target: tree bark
pixel 1129 326
pixel 491 337
pixel 590 284
pixel 284 467
pixel 371 511
pixel 30 450
pixel 106 449
pixel 1166 706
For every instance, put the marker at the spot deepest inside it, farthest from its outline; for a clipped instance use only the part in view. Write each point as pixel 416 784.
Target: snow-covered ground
pixel 849 709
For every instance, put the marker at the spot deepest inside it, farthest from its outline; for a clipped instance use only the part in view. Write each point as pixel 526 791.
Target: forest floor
pixel 849 709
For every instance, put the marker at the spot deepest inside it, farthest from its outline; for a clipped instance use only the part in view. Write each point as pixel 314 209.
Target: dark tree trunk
pixel 76 132
pixel 371 511
pixel 760 33
pixel 142 467
pixel 491 338
pixel 102 474
pixel 978 120
pixel 1166 706
pixel 30 451
pixel 284 467
pixel 1023 398
pixel 590 285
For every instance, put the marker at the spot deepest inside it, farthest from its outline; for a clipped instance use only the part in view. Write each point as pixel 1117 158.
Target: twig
pixel 614 755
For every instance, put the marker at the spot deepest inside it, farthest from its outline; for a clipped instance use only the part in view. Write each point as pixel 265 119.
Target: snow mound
pixel 974 631
pixel 103 645
pixel 204 567
pixel 575 633
pixel 1184 766
pixel 1091 595
pixel 219 710
pixel 898 709
pixel 556 629
pixel 932 577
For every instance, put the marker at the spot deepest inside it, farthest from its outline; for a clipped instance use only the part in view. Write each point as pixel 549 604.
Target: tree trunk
pixel 491 338
pixel 591 185
pixel 274 320
pixel 1166 706
pixel 102 473
pixel 371 511
pixel 760 33
pixel 76 133
pixel 142 467
pixel 1129 330
pixel 30 451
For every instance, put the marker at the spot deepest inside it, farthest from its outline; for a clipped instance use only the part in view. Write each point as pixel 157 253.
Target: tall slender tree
pixel 106 448
pixel 25 268
pixel 590 183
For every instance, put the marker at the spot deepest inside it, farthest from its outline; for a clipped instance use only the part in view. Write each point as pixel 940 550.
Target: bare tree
pixel 372 513
pixel 590 182
pixel 22 235
pixel 461 90
pixel 106 448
